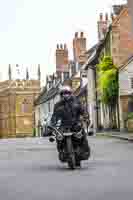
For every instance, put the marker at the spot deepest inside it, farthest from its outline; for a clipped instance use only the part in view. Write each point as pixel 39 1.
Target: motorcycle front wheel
pixel 70 150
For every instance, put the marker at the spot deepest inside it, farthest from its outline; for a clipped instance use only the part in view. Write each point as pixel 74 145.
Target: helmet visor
pixel 65 93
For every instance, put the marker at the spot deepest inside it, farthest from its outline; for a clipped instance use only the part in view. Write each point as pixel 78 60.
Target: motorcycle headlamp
pixel 59 137
pixel 78 135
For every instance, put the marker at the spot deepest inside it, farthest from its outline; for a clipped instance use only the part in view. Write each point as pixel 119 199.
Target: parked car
pixel 46 123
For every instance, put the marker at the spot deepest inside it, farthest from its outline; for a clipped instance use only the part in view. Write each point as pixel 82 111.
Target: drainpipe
pixel 95 106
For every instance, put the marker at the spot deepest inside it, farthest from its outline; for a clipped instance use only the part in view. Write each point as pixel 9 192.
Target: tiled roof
pixel 129 60
pixel 47 95
pixel 94 55
pixel 91 49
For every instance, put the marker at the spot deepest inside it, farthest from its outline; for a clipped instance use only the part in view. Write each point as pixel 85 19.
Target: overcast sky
pixel 30 29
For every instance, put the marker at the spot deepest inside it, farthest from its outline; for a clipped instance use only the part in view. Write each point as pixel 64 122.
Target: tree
pixel 108 87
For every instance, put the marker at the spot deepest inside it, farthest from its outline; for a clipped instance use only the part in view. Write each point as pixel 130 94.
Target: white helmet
pixel 66 92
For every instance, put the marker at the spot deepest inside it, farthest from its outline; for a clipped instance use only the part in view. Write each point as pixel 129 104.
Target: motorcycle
pixel 70 140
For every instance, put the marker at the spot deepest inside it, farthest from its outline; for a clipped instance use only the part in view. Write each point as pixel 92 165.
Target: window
pixel 83 74
pixel 132 82
pixel 3 124
pixel 58 74
pixel 49 106
pixel 73 69
pixel 25 106
pixel 114 50
pixel 66 75
pixel 1 108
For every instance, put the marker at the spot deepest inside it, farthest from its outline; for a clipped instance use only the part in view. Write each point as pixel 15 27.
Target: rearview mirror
pixel 51 139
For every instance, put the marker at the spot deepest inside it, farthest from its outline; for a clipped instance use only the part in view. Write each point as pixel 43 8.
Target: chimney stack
pixel 61 58
pixel 103 26
pixel 79 47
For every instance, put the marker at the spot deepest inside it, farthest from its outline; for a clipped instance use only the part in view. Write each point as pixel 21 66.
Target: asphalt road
pixel 30 170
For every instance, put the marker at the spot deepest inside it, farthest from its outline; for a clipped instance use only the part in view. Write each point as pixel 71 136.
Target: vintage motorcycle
pixel 70 140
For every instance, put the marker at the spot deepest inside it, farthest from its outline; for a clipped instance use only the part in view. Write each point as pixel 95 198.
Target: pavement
pixel 119 135
pixel 30 170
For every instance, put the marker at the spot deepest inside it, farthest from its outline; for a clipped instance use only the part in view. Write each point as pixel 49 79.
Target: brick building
pixel 130 8
pixel 122 37
pixel 117 37
pixel 118 34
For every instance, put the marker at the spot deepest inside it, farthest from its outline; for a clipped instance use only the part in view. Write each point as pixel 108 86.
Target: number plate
pixel 67 134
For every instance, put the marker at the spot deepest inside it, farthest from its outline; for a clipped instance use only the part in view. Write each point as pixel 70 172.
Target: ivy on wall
pixel 108 86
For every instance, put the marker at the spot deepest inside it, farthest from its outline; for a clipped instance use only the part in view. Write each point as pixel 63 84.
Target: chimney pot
pixel 61 46
pixel 65 46
pixel 106 17
pixel 101 16
pixel 112 16
pixel 76 34
pixel 81 34
pixel 117 9
pixel 57 46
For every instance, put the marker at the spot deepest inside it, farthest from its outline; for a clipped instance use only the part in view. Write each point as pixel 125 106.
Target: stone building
pixel 16 106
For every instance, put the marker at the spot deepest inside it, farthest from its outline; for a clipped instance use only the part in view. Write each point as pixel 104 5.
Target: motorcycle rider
pixel 69 110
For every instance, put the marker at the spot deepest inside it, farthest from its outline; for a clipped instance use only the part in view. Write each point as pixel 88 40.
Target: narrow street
pixel 30 170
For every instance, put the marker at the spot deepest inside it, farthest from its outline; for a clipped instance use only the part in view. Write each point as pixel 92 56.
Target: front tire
pixel 71 154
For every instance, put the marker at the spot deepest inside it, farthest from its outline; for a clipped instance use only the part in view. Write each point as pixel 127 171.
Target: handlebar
pixel 55 129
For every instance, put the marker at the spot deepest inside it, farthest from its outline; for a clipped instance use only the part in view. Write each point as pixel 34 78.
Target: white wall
pixel 91 94
pixel 92 102
pixel 125 76
pixel 42 110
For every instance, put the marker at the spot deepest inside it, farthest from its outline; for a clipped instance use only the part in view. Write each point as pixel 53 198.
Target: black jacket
pixel 68 111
